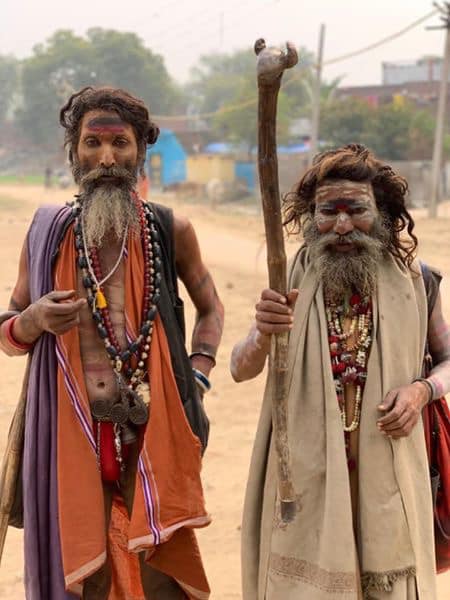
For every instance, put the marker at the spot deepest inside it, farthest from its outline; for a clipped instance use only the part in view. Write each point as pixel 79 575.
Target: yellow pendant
pixel 100 299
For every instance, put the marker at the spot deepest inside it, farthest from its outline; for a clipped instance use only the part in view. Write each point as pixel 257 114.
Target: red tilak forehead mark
pixel 107 124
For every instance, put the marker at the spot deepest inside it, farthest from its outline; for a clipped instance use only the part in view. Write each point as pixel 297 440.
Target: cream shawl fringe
pixel 316 557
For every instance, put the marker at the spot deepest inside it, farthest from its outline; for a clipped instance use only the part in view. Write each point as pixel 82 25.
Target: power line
pixel 343 57
pixel 381 42
pixel 206 33
pixel 205 18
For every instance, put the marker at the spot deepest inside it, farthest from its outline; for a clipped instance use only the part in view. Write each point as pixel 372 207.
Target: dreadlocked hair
pixel 130 109
pixel 356 163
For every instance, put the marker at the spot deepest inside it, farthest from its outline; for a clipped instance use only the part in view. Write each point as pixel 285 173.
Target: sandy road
pixel 232 247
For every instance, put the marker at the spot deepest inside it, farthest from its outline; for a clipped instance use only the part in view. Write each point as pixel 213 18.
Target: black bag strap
pixel 431 280
pixel 165 219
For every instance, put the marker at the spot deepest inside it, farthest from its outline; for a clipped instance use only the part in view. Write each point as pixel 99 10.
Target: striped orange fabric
pixel 168 501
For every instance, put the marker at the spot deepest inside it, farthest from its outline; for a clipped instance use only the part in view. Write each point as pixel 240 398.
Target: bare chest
pixel 98 373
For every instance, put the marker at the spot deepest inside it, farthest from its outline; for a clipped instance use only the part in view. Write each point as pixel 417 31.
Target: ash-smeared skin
pixel 111 124
pixel 337 200
pixel 332 189
pixel 361 212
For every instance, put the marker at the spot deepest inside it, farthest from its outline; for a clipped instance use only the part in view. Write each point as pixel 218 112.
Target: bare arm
pixel 200 286
pixel 18 302
pixel 274 314
pixel 56 312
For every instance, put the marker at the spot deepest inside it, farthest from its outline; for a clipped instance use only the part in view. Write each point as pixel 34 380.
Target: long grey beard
pixel 343 273
pixel 106 213
pixel 107 207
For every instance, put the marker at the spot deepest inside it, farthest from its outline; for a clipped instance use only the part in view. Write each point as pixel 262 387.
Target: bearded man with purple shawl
pixel 115 426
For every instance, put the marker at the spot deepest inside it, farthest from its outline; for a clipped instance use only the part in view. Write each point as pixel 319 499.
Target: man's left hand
pixel 401 408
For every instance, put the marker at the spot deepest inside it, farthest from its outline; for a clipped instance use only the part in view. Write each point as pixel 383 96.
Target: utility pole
pixel 315 113
pixel 444 9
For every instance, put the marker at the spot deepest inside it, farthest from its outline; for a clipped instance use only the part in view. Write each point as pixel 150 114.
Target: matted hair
pixel 356 163
pixel 132 110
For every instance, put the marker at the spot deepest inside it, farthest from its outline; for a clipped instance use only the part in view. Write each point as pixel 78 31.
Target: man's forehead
pixel 334 189
pixel 103 121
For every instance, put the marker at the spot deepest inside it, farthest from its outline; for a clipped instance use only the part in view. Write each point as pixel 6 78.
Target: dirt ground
pixel 233 248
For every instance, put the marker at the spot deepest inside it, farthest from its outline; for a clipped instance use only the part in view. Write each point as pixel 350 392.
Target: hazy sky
pixel 181 31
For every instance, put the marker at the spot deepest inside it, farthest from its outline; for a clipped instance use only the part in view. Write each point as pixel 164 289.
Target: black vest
pixel 172 315
pixel 171 310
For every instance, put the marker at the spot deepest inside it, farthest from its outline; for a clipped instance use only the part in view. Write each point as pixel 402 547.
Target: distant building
pixel 417 82
pixel 427 68
pixel 166 160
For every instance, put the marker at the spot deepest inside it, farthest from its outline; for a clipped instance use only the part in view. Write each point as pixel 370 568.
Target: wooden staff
pixel 12 456
pixel 271 63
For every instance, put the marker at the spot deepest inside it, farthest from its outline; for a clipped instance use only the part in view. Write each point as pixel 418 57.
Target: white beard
pixel 106 212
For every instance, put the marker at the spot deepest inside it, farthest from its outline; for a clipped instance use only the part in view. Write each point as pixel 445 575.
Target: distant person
pixel 115 425
pixel 48 177
pixel 358 318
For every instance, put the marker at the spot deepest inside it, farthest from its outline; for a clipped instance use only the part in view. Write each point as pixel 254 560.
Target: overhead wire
pixel 187 29
pixel 237 16
pixel 294 78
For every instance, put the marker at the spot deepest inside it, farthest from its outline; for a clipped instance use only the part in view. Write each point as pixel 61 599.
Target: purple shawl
pixel 44 578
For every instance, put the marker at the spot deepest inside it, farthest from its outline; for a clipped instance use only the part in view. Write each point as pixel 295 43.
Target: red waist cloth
pixel 110 466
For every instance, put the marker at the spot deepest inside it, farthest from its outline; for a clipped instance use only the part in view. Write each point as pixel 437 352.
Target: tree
pixel 8 86
pixel 121 59
pixel 48 78
pixel 394 131
pixel 345 122
pixel 388 133
pixel 67 62
pixel 221 82
pixel 241 125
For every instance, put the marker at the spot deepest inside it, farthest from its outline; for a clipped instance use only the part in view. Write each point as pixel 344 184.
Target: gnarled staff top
pixel 273 61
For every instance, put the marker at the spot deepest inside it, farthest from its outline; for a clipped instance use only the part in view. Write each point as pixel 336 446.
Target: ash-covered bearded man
pixel 358 320
pixel 115 426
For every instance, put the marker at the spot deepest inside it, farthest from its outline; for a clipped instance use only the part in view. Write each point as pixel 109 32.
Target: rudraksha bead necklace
pixel 89 264
pixel 349 351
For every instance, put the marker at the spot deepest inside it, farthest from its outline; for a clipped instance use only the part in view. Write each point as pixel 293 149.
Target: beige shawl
pixel 316 556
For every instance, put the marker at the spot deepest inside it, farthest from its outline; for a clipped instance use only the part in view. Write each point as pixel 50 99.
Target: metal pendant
pixel 100 410
pixel 139 412
pixel 119 412
pixel 129 434
pixel 118 446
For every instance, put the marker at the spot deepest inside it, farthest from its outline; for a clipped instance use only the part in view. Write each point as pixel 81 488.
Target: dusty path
pixel 232 246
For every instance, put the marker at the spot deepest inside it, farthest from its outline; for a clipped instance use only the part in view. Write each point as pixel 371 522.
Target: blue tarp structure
pixel 165 161
pixel 227 148
pixel 245 171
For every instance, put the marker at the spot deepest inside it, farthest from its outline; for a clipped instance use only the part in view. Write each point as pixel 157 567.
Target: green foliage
pixel 22 179
pixel 67 62
pixel 221 82
pixel 8 85
pixel 345 121
pixel 395 131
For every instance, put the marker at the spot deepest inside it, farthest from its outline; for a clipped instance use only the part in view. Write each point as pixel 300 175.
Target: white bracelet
pixel 201 380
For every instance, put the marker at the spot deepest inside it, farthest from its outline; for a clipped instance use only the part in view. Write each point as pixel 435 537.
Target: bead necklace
pixel 349 358
pixel 129 363
pixel 99 296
